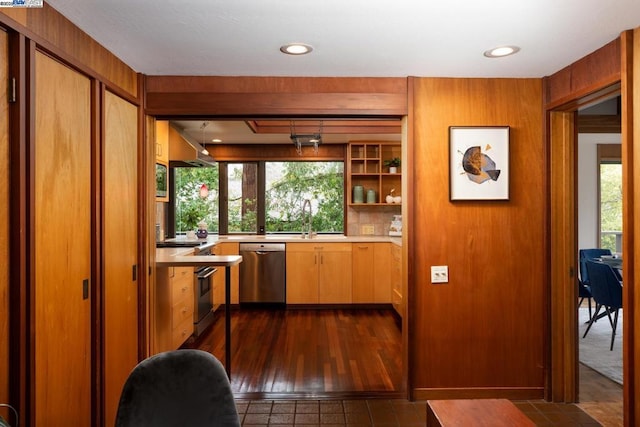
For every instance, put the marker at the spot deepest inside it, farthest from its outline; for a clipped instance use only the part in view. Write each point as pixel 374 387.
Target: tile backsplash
pixel 361 218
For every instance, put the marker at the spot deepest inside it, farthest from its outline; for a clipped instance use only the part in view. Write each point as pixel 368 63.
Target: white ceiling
pixel 366 38
pixel 371 38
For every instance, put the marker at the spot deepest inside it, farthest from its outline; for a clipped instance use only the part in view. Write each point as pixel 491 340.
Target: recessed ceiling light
pixel 216 140
pixel 501 51
pixel 296 49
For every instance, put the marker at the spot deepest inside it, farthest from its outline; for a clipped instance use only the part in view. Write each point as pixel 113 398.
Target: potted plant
pixel 393 164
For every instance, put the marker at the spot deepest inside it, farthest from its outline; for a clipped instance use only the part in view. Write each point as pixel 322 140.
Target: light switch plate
pixel 368 229
pixel 439 274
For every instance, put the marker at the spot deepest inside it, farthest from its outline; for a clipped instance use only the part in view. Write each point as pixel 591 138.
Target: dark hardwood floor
pixel 343 367
pixel 309 352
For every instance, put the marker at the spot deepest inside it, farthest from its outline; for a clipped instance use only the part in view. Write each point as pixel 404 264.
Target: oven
pixel 203 293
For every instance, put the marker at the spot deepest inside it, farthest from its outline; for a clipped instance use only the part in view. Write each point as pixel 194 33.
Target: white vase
pixel 393 169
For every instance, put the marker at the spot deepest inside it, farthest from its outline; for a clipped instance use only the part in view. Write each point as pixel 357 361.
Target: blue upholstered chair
pixel 584 289
pixel 606 289
pixel 178 388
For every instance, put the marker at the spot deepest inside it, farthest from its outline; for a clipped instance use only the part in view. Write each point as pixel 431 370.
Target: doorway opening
pixel 239 134
pixel 599 219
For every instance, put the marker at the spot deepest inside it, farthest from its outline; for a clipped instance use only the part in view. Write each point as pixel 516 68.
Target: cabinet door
pixel 363 276
pixel 231 248
pixel 335 274
pixel 302 274
pixel 396 280
pixel 120 248
pixel 217 296
pixel 162 141
pixel 61 339
pixel 382 273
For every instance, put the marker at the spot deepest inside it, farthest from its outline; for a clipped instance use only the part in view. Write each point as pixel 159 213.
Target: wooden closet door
pixel 4 226
pixel 62 253
pixel 120 248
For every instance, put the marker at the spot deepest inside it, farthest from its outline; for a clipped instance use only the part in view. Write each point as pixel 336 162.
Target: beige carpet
pixel 594 348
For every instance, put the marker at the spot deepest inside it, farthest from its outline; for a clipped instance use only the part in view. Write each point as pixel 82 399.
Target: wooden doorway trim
pixel 594 81
pixel 563 292
pixel 630 79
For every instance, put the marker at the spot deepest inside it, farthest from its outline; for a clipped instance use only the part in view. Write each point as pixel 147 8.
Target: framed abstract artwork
pixel 479 163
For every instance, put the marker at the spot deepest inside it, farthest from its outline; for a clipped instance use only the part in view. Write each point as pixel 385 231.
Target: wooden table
pixel 226 261
pixel 475 413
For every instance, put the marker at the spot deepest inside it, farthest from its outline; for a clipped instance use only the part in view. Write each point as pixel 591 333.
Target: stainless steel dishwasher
pixel 262 273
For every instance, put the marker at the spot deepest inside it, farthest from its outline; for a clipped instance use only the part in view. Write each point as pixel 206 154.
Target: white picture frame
pixel 479 163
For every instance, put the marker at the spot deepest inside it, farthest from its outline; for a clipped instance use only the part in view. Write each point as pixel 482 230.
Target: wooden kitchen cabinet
pixel 319 273
pixel 162 141
pixel 226 248
pixel 371 273
pixel 396 279
pixel 174 307
pixel 363 273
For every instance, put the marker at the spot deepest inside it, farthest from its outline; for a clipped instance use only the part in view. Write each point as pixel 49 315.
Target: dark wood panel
pixel 216 84
pixel 275 104
pixel 590 74
pixel 278 152
pixel 274 96
pixel 55 32
pixel 485 328
pixel 310 351
pixel 599 124
pixel 4 225
pixel 392 126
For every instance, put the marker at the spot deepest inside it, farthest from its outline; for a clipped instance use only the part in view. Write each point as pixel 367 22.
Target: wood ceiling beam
pixel 599 123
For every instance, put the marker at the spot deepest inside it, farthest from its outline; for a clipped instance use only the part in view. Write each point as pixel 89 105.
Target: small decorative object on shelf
pixel 202 230
pixel 358 194
pixel 392 164
pixel 393 199
pixel 371 196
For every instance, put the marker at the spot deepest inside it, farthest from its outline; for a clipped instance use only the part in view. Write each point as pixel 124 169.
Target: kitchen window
pixel 266 196
pixel 195 198
pixel 259 197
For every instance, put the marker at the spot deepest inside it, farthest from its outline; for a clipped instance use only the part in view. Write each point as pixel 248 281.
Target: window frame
pixel 606 154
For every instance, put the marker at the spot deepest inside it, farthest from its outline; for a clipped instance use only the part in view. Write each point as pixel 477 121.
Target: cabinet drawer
pixel 182 274
pixel 319 246
pixel 182 289
pixel 181 332
pixel 181 311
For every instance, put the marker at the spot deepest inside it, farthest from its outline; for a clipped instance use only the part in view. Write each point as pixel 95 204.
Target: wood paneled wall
pixel 54 32
pixel 483 333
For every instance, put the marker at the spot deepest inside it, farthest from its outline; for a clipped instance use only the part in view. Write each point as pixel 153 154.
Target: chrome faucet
pixel 306 219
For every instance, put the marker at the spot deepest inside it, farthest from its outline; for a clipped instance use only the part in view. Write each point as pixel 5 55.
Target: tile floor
pixel 384 413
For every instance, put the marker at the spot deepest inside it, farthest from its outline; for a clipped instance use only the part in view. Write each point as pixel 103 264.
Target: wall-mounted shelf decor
pixel 366 168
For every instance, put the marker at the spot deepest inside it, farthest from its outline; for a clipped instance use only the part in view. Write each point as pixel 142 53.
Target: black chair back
pixel 585 255
pixel 606 289
pixel 178 388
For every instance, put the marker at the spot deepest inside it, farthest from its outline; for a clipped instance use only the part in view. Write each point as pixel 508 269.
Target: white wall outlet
pixel 368 229
pixel 439 274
